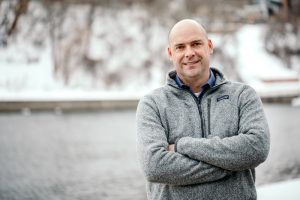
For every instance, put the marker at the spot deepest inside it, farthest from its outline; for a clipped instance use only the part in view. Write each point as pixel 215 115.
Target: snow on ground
pixel 17 75
pixel 261 70
pixel 28 73
pixel 279 191
pixel 21 79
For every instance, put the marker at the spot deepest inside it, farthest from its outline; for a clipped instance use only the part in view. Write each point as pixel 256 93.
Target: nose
pixel 189 52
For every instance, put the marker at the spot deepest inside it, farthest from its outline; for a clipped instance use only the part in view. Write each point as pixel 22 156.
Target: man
pixel 200 136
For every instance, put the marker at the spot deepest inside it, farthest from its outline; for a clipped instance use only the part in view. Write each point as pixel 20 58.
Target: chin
pixel 192 75
pixel 193 72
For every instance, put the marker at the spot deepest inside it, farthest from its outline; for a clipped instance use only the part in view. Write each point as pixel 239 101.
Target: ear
pixel 170 54
pixel 210 46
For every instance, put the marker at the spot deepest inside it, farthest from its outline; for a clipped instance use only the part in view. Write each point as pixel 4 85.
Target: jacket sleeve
pixel 159 164
pixel 246 150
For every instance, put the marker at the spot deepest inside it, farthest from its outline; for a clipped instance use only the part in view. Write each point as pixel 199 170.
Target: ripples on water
pixel 69 156
pixel 92 155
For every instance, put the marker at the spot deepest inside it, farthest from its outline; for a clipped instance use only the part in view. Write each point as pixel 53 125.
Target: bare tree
pixel 284 26
pixel 20 9
pixel 8 24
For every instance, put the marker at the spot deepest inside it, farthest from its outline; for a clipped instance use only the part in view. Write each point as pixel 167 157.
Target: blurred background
pixel 72 72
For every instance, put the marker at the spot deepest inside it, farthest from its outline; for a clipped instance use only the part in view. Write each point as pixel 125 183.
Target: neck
pixel 196 83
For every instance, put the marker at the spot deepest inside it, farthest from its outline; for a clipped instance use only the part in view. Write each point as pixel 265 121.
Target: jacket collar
pixel 219 77
pixel 210 83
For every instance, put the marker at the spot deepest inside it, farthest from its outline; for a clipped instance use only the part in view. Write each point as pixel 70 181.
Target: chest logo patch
pixel 223 97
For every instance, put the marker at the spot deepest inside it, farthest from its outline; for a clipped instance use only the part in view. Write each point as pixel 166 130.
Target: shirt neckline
pixel 210 83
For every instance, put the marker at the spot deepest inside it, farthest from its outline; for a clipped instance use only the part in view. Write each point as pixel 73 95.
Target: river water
pixel 92 155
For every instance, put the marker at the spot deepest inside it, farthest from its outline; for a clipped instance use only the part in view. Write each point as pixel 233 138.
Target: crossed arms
pixel 200 160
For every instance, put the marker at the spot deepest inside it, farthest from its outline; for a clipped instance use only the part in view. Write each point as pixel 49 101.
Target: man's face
pixel 190 51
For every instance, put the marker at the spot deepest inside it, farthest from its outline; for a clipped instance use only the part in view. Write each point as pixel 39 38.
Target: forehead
pixel 186 33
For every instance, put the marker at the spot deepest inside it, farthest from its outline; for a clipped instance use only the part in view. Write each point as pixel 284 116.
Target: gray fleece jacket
pixel 220 139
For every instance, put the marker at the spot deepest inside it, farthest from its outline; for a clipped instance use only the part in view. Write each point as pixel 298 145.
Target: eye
pixel 196 44
pixel 179 47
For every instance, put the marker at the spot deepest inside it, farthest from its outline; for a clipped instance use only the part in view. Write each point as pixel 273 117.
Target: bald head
pixel 183 25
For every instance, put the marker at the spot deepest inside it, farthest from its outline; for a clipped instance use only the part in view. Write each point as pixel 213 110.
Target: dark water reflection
pixel 92 155
pixel 69 156
pixel 284 159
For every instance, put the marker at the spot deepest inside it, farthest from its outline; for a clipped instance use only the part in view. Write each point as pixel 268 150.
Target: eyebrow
pixel 194 41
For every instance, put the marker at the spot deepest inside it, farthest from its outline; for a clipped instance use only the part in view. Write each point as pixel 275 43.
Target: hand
pixel 171 147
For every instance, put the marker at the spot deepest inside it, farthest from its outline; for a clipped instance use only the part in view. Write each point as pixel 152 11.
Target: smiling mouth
pixel 191 63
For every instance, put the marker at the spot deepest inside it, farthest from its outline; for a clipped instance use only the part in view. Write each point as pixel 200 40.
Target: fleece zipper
pixel 198 102
pixel 204 135
pixel 201 113
pixel 208 115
